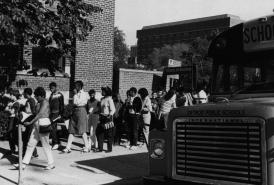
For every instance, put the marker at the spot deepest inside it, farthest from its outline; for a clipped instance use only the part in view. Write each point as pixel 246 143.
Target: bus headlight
pixel 157 148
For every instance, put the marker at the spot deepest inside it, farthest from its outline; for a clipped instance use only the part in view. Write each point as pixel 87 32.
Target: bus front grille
pixel 219 152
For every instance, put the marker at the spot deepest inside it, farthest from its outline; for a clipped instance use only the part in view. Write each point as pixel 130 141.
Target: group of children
pixel 21 108
pixel 130 118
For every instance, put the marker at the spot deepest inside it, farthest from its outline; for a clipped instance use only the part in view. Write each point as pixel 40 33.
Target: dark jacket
pixel 136 105
pixel 56 103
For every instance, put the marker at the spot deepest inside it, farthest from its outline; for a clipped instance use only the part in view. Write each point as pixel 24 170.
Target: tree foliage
pixel 121 50
pixel 43 22
pixel 160 56
pixel 193 52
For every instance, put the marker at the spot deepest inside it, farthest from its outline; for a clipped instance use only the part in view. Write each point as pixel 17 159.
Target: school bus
pixel 230 140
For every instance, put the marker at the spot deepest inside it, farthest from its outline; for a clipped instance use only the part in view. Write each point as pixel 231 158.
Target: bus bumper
pixel 160 180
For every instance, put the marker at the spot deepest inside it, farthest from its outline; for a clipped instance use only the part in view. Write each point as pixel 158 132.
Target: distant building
pixel 132 60
pixel 156 36
pixel 133 51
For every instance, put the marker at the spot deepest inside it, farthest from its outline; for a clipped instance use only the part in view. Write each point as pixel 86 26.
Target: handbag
pixel 108 125
pixel 106 122
pixel 45 129
pixel 44 125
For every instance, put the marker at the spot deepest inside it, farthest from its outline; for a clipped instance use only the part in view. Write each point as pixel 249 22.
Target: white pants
pixel 165 118
pixel 146 119
pixel 93 120
pixel 34 138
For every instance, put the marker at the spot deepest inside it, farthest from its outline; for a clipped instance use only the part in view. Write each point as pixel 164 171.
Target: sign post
pixel 20 148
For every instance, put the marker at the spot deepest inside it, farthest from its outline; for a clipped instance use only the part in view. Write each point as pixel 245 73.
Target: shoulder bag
pixel 44 125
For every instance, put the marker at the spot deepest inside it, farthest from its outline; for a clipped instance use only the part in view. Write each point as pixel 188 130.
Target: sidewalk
pixel 118 167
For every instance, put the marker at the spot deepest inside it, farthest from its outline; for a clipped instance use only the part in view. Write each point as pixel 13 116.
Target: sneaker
pixel 128 146
pixel 66 150
pixel 97 150
pixel 49 167
pixel 85 150
pixel 133 148
pixel 55 147
pixel 17 166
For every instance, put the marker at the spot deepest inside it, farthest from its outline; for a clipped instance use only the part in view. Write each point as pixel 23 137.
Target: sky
pixel 132 15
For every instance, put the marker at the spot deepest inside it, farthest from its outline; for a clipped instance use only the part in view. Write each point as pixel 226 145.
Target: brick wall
pixel 27 55
pixel 94 59
pixel 138 78
pixel 33 82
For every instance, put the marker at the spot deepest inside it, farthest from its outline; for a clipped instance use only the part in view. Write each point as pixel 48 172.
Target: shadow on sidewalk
pixel 73 143
pixel 7 179
pixel 134 181
pixel 7 155
pixel 126 167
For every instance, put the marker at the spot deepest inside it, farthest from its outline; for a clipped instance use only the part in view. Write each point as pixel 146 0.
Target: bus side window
pixel 219 80
pixel 252 75
pixel 234 78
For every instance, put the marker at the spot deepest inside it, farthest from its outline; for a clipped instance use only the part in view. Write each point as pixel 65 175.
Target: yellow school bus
pixel 230 140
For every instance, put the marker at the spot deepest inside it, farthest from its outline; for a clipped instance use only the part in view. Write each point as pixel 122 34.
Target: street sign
pixel 174 63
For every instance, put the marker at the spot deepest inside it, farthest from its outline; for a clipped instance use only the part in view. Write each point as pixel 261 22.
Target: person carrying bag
pixel 41 129
pixel 145 113
pixel 134 118
pixel 105 127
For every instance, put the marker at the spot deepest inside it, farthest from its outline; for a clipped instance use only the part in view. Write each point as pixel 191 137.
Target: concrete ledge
pixel 141 71
pixel 18 73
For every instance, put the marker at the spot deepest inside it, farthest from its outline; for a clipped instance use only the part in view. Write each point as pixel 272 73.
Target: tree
pixel 121 51
pixel 193 52
pixel 160 56
pixel 199 49
pixel 56 23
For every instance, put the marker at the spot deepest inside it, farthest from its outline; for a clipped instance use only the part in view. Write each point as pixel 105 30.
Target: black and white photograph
pixel 136 92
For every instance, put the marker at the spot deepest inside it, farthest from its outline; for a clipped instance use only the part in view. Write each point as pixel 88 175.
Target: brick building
pixel 94 58
pixel 156 36
pixel 94 61
pixel 127 78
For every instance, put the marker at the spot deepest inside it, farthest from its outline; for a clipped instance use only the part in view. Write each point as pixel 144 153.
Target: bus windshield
pixel 244 79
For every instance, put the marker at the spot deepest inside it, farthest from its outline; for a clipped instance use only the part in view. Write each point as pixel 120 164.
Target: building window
pixel 9 55
pixel 48 59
